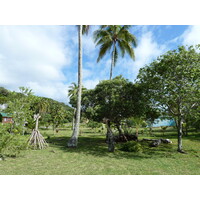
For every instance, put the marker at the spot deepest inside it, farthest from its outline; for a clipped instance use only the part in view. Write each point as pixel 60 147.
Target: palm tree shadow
pixel 97 147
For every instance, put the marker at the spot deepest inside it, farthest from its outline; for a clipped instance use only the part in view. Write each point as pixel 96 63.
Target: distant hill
pixel 4 94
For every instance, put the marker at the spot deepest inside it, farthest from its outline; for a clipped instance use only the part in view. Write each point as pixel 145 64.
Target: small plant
pixel 132 146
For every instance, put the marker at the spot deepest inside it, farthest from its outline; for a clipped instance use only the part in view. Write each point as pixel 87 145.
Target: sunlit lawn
pixel 91 157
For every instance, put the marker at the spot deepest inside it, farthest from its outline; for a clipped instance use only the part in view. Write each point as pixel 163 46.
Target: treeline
pixel 23 105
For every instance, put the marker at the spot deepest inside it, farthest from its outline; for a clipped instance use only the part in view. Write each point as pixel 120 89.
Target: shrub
pixel 132 146
pixel 10 145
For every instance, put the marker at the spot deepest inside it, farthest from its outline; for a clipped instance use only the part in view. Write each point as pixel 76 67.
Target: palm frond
pixel 103 26
pixel 121 47
pixel 129 37
pixel 127 26
pixel 128 49
pixel 103 49
pixel 98 34
pixel 108 35
pixel 85 29
pixel 104 39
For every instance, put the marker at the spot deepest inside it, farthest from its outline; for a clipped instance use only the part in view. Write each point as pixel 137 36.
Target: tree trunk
pixel 37 122
pixel 119 128
pixel 36 139
pixel 113 61
pixel 74 118
pixel 180 133
pixel 74 139
pixel 121 132
pixel 111 143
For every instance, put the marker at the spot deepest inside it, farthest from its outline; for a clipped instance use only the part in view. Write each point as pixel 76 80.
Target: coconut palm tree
pixel 72 94
pixel 73 89
pixel 115 37
pixel 82 29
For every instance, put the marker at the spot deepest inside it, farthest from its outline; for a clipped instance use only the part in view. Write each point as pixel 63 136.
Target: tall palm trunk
pixel 113 61
pixel 74 139
pixel 74 117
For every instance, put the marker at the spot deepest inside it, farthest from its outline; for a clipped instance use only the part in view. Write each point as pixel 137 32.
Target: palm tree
pixel 73 90
pixel 117 38
pixel 72 94
pixel 82 29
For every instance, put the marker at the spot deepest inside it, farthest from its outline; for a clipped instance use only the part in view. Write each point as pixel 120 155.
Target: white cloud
pixel 58 90
pixel 90 84
pixel 147 50
pixel 87 73
pixel 89 47
pixel 35 56
pixel 191 36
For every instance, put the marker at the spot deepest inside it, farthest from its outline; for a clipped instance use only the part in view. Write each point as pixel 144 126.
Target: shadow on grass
pixel 174 135
pixel 97 147
pixel 193 137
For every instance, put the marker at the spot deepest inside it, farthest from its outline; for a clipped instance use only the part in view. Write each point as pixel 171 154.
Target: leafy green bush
pixel 132 146
pixel 10 145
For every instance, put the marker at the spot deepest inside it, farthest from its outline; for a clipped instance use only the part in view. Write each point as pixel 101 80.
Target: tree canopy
pixel 115 100
pixel 172 83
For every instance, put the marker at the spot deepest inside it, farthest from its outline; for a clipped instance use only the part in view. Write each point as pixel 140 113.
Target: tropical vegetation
pixel 117 115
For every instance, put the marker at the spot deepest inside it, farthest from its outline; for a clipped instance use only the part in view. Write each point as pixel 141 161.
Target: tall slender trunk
pixel 113 61
pixel 74 139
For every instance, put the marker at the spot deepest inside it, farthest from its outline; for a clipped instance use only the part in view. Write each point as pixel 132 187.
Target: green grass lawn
pixel 92 157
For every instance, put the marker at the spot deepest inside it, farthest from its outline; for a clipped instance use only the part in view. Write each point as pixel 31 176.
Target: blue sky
pixel 44 58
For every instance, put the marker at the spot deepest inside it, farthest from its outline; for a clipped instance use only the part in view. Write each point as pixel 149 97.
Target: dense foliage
pixel 172 83
pixel 115 100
